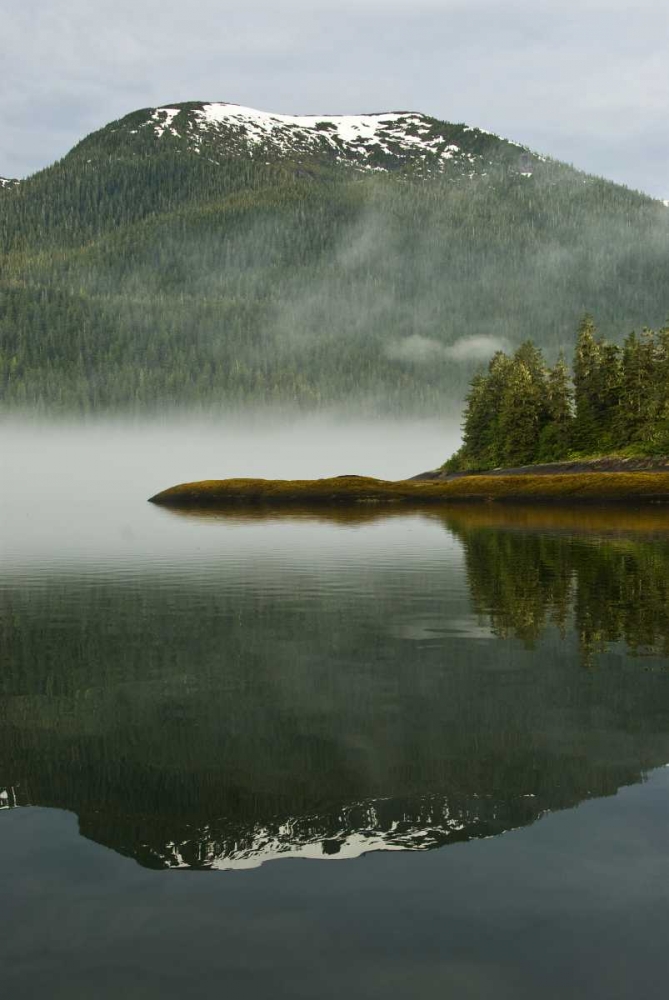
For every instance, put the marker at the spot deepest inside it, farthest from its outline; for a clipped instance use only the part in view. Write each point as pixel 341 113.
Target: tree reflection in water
pixel 605 572
pixel 224 718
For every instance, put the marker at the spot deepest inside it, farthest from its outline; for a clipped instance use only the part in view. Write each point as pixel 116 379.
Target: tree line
pixel 522 411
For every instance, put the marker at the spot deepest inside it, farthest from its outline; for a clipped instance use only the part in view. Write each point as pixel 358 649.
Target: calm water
pixel 459 717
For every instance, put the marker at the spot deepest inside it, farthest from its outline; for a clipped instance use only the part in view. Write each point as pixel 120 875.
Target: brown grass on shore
pixel 584 487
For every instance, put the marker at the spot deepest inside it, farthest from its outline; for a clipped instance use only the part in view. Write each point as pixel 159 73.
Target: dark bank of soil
pixel 611 464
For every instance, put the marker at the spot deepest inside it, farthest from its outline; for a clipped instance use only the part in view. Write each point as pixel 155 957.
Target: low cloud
pixel 423 350
pixel 479 348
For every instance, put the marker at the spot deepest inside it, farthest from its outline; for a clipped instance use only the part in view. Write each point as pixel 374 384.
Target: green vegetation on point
pixel 522 412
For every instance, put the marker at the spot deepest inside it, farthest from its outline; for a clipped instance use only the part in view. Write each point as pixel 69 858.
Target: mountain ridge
pixel 210 254
pixel 383 141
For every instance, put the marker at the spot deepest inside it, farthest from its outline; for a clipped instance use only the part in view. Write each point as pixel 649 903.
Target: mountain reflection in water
pixel 223 718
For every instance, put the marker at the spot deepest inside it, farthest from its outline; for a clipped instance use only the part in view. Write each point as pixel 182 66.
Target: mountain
pixel 385 141
pixel 7 182
pixel 212 254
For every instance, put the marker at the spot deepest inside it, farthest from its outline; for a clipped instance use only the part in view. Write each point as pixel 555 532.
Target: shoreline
pixel 610 487
pixel 605 464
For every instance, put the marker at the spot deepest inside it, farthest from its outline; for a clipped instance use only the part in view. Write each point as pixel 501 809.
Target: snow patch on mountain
pixel 8 182
pixel 385 132
pixel 380 141
pixel 164 118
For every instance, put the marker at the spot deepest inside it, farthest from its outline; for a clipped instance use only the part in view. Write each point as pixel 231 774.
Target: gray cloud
pixel 583 80
pixel 419 350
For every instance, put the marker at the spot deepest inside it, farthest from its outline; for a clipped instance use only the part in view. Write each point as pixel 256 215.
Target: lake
pixel 303 754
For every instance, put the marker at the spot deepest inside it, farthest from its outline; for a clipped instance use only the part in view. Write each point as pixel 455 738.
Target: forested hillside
pixel 202 263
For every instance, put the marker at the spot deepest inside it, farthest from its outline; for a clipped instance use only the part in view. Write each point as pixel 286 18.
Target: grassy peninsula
pixel 615 487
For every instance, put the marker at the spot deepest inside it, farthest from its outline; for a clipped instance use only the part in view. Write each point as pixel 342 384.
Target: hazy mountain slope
pixel 208 253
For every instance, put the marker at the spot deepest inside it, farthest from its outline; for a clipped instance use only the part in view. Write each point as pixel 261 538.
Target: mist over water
pixel 76 492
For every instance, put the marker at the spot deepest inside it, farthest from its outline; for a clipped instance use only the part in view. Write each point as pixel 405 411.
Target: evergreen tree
pixel 532 357
pixel 522 417
pixel 640 399
pixel 482 439
pixel 520 412
pixel 476 420
pixel 661 384
pixel 608 396
pixel 556 436
pixel 587 377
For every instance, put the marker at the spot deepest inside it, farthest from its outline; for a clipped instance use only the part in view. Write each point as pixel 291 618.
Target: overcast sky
pixel 586 81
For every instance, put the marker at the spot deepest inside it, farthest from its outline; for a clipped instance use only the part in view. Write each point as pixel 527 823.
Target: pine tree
pixel 520 412
pixel 522 416
pixel 661 391
pixel 482 439
pixel 532 357
pixel 587 377
pixel 608 396
pixel 640 401
pixel 556 436
pixel 476 419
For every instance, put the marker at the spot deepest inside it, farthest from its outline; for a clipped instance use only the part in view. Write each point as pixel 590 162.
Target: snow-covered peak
pixel 383 131
pixel 380 141
pixel 7 182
